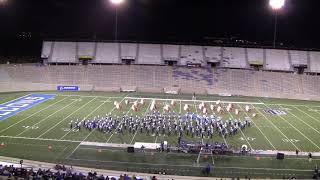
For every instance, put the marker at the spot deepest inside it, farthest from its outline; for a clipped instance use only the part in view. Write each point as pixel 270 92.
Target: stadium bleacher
pixel 107 53
pixel 197 75
pixel 129 50
pixel 299 57
pixel 63 52
pixel 255 56
pixel 150 54
pixel 191 55
pixel 277 60
pixel 315 62
pixel 212 54
pixel 157 54
pixel 234 58
pixel 155 78
pixel 170 52
pixel 235 77
pixel 85 49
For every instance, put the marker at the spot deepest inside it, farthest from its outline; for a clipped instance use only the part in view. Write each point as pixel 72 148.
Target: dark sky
pixel 161 20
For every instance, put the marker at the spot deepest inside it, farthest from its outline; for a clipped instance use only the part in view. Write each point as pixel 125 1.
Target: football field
pixel 42 132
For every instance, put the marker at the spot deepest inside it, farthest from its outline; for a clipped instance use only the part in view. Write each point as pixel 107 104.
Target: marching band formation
pixel 168 123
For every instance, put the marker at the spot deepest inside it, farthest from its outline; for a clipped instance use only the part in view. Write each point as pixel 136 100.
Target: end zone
pixel 13 107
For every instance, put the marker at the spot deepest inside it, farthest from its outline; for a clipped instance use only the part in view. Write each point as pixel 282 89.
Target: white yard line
pixel 46 117
pixel 39 139
pixel 195 106
pixel 32 145
pixel 87 117
pixel 139 125
pixel 163 99
pixel 121 120
pixel 156 139
pixel 94 130
pixel 32 115
pixel 225 141
pixel 259 129
pixel 241 102
pixel 303 121
pixel 241 132
pixel 73 141
pixel 66 117
pixel 275 127
pixel 291 105
pixel 311 107
pixel 109 113
pixel 16 99
pixel 117 127
pixel 308 114
pixel 298 131
pixel 74 95
pixel 198 158
pixel 173 165
pixel 212 158
pixel 58 155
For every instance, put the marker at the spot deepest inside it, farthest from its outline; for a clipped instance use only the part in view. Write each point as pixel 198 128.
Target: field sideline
pixel 29 133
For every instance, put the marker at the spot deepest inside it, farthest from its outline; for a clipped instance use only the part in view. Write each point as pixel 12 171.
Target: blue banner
pixel 68 88
pixel 13 107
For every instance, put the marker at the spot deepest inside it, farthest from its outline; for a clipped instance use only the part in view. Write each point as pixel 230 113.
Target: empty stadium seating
pixel 129 50
pixel 193 77
pixel 150 54
pixel 299 57
pixel 213 54
pixel 156 54
pixel 277 60
pixel 107 53
pixel 255 56
pixel 191 55
pixel 234 57
pixel 63 52
pixel 86 49
pixel 315 62
pixel 156 78
pixel 170 52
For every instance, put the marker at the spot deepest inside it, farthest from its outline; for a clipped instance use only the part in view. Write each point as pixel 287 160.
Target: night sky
pixel 156 20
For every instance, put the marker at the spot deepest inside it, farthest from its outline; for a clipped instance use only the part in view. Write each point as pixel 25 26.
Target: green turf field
pixel 29 133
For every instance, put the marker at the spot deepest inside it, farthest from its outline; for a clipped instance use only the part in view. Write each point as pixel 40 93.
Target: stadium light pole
pixel 116 3
pixel 276 5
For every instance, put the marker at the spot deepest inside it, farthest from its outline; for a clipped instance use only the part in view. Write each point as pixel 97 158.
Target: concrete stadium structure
pixel 234 73
pixel 157 78
pixel 57 52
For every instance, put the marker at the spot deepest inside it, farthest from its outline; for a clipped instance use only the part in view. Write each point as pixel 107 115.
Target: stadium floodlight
pixel 276 5
pixel 116 3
